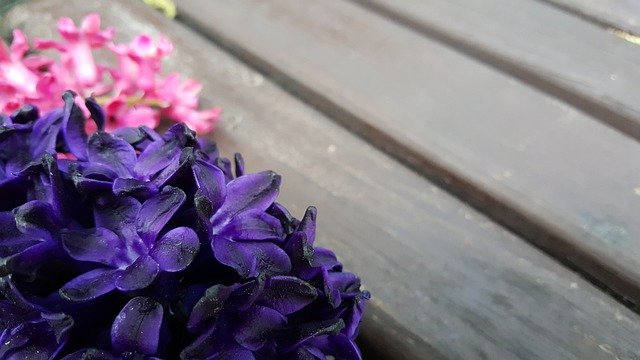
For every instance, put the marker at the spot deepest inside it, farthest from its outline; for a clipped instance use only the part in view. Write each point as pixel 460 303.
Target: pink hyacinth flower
pixel 133 93
pixel 139 63
pixel 76 49
pixel 18 74
pixel 182 98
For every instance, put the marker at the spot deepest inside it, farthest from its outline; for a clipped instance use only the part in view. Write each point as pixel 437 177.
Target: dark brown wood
pixel 561 54
pixel 617 14
pixel 565 181
pixel 446 281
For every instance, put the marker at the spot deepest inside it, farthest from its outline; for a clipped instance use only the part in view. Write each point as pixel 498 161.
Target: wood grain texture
pixel 447 282
pixel 565 56
pixel 568 183
pixel 618 14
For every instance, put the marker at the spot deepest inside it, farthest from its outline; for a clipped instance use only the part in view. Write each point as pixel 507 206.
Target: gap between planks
pixel 609 113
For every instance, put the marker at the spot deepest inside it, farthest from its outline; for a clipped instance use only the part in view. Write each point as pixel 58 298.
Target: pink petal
pixel 19 45
pixel 90 24
pixel 67 29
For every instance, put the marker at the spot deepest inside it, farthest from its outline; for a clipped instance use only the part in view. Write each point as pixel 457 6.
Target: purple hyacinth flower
pixel 136 245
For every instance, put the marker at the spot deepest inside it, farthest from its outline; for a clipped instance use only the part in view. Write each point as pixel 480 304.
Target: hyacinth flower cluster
pixel 135 245
pixel 133 91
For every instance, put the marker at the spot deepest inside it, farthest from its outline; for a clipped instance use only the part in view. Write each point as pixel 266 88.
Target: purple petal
pixel 45 132
pixel 138 275
pixel 209 148
pixel 338 346
pixel 239 164
pixel 106 149
pixel 354 315
pixel 282 214
pixel 35 218
pixel 210 343
pixel 308 224
pixel 176 249
pixel 90 354
pixel 245 295
pixel 131 135
pixel 160 153
pixel 249 192
pixel 237 354
pixel 156 212
pixel 96 111
pixel 97 245
pixel 287 294
pixel 26 114
pixel 211 183
pixel 118 215
pixel 325 259
pixel 89 285
pixel 257 325
pixel 40 338
pixel 253 225
pixel 137 326
pixel 134 187
pixel 335 283
pixel 13 241
pixel 303 332
pixel 251 258
pixel 209 305
pixel 301 255
pixel 48 186
pixel 73 123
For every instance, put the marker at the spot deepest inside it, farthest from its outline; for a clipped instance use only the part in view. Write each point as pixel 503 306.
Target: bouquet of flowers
pixel 122 243
pixel 133 92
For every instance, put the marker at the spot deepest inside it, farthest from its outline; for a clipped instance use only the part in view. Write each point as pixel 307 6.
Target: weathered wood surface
pixel 562 54
pixel 567 182
pixel 447 282
pixel 618 14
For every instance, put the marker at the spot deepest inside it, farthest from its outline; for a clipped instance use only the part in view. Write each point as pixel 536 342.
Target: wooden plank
pixel 617 14
pixel 568 183
pixel 447 282
pixel 565 56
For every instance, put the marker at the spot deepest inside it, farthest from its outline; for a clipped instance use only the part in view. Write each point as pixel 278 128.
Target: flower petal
pixel 97 112
pixel 36 218
pixel 73 123
pixel 45 132
pixel 106 149
pixel 137 326
pixel 13 241
pixel 308 224
pixel 134 187
pixel 339 346
pixel 209 305
pixel 89 285
pixel 155 157
pixel 253 225
pixel 257 325
pixel 251 258
pixel 138 275
pixel 90 354
pixel 118 215
pixel 97 245
pixel 287 294
pixel 249 192
pixel 176 249
pixel 211 183
pixel 156 212
pixel 303 332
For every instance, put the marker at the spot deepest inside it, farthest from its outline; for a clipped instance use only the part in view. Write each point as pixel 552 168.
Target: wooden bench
pixel 467 159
